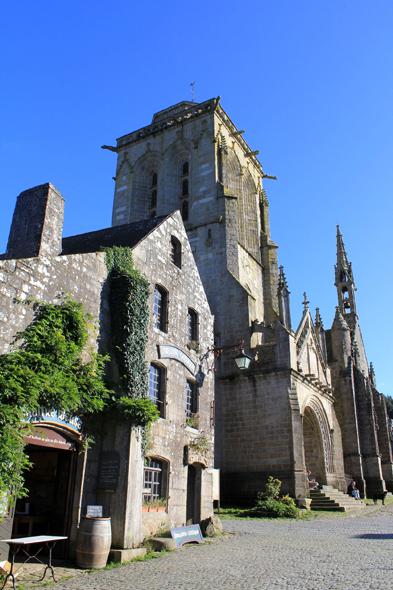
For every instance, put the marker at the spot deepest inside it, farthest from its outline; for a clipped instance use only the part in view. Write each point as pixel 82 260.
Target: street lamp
pixel 242 360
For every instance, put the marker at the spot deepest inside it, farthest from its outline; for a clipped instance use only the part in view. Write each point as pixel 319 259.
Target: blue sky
pixel 310 82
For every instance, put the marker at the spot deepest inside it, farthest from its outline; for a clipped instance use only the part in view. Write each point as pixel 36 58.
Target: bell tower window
pixel 184 210
pixel 184 187
pixel 153 192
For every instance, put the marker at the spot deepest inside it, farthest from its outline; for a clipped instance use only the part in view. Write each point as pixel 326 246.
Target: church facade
pixel 292 409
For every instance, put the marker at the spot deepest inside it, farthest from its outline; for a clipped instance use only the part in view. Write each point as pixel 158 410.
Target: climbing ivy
pixel 128 297
pixel 46 369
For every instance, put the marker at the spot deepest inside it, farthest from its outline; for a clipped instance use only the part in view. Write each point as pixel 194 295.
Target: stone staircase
pixel 334 500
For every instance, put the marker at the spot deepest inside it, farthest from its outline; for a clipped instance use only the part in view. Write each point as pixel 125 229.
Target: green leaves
pixel 47 370
pixel 128 296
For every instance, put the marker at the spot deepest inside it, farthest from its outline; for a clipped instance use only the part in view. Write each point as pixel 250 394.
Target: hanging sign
pixel 171 352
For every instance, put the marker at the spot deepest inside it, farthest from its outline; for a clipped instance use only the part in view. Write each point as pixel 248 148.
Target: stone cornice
pixel 196 111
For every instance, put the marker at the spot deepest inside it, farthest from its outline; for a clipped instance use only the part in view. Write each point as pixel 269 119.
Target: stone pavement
pixel 324 553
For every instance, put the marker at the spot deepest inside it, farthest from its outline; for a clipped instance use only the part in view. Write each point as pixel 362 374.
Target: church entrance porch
pixel 313 447
pixel 318 446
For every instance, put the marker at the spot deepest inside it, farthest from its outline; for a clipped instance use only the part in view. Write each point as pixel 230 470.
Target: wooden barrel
pixel 93 542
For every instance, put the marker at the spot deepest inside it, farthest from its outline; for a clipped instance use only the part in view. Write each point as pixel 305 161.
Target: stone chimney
pixel 37 224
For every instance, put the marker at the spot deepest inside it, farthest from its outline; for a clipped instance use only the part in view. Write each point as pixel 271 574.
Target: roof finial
pixel 305 302
pixel 192 91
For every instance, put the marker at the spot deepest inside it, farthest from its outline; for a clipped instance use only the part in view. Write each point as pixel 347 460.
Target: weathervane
pixel 192 91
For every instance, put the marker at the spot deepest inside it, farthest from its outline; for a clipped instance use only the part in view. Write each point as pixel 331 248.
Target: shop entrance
pixel 47 510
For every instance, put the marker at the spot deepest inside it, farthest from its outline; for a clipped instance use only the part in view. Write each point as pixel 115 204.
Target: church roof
pixel 129 234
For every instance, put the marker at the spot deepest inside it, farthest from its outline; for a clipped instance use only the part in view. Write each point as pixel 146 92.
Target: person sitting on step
pixel 355 491
pixel 313 485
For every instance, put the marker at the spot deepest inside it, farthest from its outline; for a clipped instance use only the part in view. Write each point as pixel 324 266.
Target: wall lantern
pixel 242 360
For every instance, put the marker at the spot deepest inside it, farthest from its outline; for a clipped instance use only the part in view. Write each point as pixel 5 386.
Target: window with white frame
pixel 154 476
pixel 160 308
pixel 156 387
pixel 191 399
pixel 192 326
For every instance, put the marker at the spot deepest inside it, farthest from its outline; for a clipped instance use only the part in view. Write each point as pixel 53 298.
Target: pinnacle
pixel 282 281
pixel 339 321
pixel 318 319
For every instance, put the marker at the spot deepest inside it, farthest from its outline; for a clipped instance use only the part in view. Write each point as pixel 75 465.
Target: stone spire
pixel 283 300
pixel 344 282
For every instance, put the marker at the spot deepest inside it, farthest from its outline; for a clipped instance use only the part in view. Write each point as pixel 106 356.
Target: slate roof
pixel 129 234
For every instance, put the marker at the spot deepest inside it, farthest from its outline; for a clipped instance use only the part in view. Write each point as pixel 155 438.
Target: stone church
pixel 308 399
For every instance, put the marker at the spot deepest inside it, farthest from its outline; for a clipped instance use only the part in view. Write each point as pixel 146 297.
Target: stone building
pixel 284 413
pixel 40 265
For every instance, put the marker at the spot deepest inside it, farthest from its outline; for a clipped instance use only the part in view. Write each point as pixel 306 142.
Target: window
pixel 154 480
pixel 184 210
pixel 191 399
pixel 185 188
pixel 185 168
pixel 160 309
pixel 176 251
pixel 192 326
pixel 156 387
pixel 153 191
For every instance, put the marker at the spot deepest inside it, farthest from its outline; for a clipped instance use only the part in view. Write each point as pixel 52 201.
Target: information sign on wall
pixel 109 469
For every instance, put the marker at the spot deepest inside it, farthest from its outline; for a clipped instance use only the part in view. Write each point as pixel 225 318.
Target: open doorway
pixel 47 509
pixel 194 486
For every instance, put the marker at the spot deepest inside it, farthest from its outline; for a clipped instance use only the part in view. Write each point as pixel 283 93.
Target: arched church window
pixel 185 187
pixel 153 192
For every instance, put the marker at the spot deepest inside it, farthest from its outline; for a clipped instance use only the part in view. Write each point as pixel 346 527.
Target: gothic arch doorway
pixel 317 443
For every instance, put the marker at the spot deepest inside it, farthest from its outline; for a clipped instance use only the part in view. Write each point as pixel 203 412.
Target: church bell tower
pixel 344 283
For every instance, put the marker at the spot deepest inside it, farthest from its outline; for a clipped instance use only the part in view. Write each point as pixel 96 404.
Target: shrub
pixel 270 502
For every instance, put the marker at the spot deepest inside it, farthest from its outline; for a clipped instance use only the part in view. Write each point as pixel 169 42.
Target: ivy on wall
pixel 128 297
pixel 46 370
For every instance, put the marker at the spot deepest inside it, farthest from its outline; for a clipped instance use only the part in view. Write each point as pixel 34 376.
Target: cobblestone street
pixel 334 553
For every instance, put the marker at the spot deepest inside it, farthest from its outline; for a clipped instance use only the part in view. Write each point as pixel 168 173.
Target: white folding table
pixel 16 544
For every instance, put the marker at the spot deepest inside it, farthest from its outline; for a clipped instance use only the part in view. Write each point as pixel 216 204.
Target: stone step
pixel 334 500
